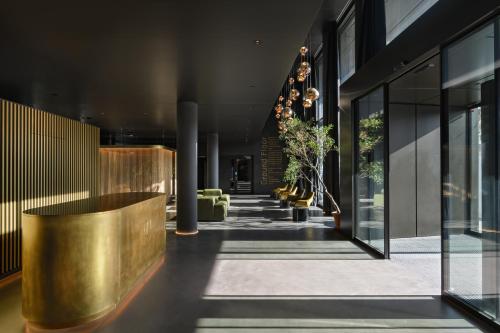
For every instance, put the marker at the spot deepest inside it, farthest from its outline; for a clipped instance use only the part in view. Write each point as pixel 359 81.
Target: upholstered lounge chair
pixel 284 194
pixel 275 193
pixel 306 201
pixel 210 209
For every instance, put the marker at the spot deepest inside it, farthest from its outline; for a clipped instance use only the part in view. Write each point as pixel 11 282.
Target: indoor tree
pixel 307 145
pixel 293 171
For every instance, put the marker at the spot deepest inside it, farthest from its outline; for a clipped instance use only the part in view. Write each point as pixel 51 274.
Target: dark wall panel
pixel 402 171
pixel 414 182
pixel 346 168
pixel 428 171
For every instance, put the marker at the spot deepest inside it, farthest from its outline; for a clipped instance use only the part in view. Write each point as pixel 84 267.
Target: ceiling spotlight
pixel 258 42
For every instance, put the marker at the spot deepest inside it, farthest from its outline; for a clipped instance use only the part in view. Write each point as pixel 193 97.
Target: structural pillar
pixel 187 168
pixel 213 160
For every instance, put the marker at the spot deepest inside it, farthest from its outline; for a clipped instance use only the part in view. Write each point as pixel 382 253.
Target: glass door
pixel 370 171
pixel 470 189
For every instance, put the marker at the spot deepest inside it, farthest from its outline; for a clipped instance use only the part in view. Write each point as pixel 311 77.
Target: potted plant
pixel 307 145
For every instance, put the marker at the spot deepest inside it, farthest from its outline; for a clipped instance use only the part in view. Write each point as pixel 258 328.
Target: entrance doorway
pixel 370 171
pixel 415 162
pixel 242 174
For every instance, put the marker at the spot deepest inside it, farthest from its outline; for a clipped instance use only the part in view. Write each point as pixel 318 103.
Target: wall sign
pixel 271 157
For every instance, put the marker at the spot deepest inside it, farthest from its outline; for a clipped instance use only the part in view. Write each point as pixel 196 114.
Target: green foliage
pixel 306 145
pixel 292 172
pixel 373 170
pixel 370 135
pixel 306 141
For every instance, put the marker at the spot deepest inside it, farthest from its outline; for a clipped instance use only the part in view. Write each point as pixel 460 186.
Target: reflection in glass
pixel 370 170
pixel 347 47
pixel 319 113
pixel 399 15
pixel 471 206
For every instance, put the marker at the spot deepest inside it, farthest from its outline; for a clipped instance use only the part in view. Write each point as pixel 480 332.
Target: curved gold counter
pixel 81 258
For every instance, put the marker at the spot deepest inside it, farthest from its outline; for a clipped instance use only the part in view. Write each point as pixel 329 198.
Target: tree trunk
pixel 328 194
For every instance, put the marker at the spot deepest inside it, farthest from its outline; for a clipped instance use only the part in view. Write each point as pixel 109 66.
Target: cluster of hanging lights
pixel 290 94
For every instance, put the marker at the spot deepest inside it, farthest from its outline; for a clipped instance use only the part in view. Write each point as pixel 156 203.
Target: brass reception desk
pixel 81 258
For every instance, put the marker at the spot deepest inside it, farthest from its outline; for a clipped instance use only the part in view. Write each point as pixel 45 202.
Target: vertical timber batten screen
pixel 45 159
pixel 137 169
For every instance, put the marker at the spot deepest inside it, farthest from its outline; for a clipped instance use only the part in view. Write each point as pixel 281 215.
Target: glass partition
pixel 399 15
pixel 346 41
pixel 320 65
pixel 370 166
pixel 471 171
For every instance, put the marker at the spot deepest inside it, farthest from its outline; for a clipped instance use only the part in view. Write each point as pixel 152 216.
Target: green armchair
pixel 217 193
pixel 212 205
pixel 211 210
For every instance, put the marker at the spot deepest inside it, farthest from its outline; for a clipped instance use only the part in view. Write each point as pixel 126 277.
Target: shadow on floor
pixel 207 285
pixel 175 300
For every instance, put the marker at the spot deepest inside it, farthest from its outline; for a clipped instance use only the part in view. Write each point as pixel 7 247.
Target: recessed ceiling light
pixel 258 42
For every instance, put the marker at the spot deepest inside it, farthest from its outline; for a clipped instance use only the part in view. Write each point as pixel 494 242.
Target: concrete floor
pixel 260 272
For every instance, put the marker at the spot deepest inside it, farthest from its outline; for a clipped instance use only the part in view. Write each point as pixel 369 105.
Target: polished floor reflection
pixel 260 272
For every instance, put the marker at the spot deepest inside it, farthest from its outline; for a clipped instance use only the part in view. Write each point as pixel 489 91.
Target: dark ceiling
pixel 124 65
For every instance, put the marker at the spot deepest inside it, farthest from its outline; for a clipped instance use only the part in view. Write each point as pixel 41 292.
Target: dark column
pixel 331 112
pixel 187 168
pixel 213 160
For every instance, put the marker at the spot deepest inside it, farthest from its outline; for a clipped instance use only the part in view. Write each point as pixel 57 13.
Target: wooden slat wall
pixel 45 159
pixel 136 170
